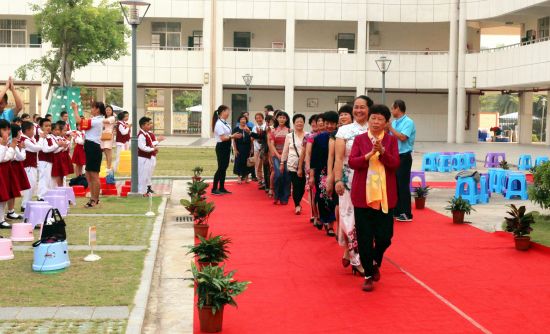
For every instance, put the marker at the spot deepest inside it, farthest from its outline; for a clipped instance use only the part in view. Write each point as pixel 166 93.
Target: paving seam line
pixel 441 298
pixel 137 314
pixel 100 248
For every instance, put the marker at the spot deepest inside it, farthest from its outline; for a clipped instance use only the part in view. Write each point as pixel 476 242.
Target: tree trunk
pixel 66 68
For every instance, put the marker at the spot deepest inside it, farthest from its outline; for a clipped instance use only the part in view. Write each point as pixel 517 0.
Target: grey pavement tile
pixel 27 313
pixel 75 312
pixel 111 312
pixel 8 313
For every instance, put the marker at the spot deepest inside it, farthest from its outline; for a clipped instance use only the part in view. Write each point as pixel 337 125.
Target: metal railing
pixel 170 48
pixel 512 46
pixel 413 53
pixel 230 48
pixel 10 45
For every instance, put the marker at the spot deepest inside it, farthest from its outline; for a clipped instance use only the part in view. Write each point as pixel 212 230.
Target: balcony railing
pixel 230 48
pixel 170 48
pixel 399 52
pixel 10 45
pixel 512 46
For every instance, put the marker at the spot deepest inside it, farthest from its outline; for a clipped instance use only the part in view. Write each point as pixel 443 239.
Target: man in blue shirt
pixel 9 114
pixel 404 130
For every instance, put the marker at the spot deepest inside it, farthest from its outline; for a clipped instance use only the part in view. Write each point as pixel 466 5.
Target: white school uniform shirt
pixel 59 148
pixel 44 144
pixel 31 145
pixel 94 133
pixel 221 129
pixel 7 153
pixel 79 139
pixel 20 154
pixel 142 142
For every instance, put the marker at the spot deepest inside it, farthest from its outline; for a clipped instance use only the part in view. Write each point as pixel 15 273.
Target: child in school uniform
pixel 156 141
pixel 79 156
pixel 122 136
pixel 17 173
pixel 31 161
pixel 36 121
pixel 145 154
pixel 8 190
pixel 45 158
pixel 60 168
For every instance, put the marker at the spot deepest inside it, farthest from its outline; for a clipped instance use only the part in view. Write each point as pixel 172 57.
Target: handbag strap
pixel 294 143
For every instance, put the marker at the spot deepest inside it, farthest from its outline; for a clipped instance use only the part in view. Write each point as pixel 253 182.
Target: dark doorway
pixel 238 106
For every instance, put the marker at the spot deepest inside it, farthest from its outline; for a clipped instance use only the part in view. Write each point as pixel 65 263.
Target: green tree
pixel 80 32
pixel 507 104
pixel 114 96
pixel 186 98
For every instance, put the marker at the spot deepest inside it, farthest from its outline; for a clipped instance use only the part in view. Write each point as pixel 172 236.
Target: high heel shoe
pixel 345 262
pixel 355 270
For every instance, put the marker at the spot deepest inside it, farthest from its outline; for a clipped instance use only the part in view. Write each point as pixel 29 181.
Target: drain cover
pixel 181 219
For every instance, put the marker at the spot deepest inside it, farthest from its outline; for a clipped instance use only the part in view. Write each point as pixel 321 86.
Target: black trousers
pixel 267 171
pixel 223 152
pixel 374 233
pixel 298 187
pixel 403 177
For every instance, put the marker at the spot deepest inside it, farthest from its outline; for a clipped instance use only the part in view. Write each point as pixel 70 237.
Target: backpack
pixel 110 178
pixel 53 229
pixel 80 180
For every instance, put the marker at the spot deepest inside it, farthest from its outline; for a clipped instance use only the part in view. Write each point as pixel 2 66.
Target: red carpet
pixel 299 286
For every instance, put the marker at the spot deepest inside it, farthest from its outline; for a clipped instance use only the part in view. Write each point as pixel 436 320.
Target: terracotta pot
pixel 522 243
pixel 210 323
pixel 529 177
pixel 201 229
pixel 420 202
pixel 204 264
pixel 196 178
pixel 458 217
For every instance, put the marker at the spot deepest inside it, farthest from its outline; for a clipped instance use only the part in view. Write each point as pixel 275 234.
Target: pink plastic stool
pixel 22 232
pixel 70 194
pixel 6 249
pixel 38 213
pixel 58 202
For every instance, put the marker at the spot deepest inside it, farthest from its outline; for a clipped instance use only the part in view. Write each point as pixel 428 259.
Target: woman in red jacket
pixel 375 159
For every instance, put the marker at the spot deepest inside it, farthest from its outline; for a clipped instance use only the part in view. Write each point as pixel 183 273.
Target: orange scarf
pixel 377 195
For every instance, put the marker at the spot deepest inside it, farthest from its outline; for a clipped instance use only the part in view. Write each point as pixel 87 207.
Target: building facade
pixel 309 56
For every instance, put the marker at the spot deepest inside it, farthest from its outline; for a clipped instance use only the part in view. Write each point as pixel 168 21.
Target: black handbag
pixel 53 228
pixel 79 181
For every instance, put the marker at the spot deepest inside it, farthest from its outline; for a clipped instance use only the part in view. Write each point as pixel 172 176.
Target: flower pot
pixel 196 178
pixel 201 229
pixel 210 323
pixel 458 217
pixel 522 243
pixel 204 264
pixel 420 202
pixel 529 177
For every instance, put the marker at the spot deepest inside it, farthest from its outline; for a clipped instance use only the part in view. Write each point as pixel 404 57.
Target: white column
pixel 361 55
pixel 168 108
pixel 33 100
pixel 546 119
pixel 453 59
pixel 525 119
pixel 474 105
pixel 289 58
pixel 45 101
pixel 218 63
pixel 461 89
pixel 207 99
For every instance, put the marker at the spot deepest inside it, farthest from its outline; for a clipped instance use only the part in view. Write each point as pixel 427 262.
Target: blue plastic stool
pixel 540 160
pixel 51 256
pixel 482 194
pixel 467 189
pixel 487 182
pixel 458 162
pixel 525 162
pixel 429 162
pixel 444 164
pixel 498 180
pixel 516 185
pixel 470 160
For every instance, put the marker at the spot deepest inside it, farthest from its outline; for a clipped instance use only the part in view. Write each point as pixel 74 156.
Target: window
pixel 241 40
pixel 166 35
pixel 346 41
pixel 544 27
pixel 187 111
pixel 13 32
pixel 195 41
pixel 343 100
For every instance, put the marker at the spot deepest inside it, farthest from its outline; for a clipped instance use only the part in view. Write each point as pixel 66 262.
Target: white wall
pixel 322 35
pixel 267 68
pixel 264 32
pixel 482 9
pixel 409 36
pixel 144 35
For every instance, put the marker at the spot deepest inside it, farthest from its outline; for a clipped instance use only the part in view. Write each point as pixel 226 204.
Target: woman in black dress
pixel 243 149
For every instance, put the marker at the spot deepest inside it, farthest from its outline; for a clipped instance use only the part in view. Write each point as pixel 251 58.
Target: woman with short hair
pixel 243 149
pixel 291 158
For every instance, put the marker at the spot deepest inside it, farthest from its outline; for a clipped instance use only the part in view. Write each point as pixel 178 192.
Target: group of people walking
pixel 354 165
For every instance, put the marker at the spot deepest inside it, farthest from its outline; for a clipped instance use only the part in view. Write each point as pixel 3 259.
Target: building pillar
pixel 45 99
pixel 140 104
pixel 168 108
pixel 362 33
pixel 461 107
pixel 452 68
pixel 33 100
pixel 289 58
pixel 525 119
pixel 207 93
pixel 547 119
pixel 474 106
pixel 217 53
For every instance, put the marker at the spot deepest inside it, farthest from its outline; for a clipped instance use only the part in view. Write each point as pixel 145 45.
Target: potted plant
pixel 197 187
pixel 214 289
pixel 197 171
pixel 200 209
pixel 420 194
pixel 211 251
pixel 458 206
pixel 519 223
pixel 504 165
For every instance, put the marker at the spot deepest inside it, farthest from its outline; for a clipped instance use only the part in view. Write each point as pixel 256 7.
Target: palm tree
pixel 507 104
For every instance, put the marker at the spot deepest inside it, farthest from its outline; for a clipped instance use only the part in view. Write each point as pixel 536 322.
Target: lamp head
pixel 134 11
pixel 383 64
pixel 247 79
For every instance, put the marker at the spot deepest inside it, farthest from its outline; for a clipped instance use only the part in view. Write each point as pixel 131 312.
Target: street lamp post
pixel 134 12
pixel 543 100
pixel 383 64
pixel 247 81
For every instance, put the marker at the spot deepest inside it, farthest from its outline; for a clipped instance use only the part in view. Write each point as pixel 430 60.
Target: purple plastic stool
pixel 58 192
pixel 37 213
pixel 492 159
pixel 70 194
pixel 58 202
pixel 30 204
pixel 420 175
